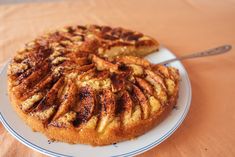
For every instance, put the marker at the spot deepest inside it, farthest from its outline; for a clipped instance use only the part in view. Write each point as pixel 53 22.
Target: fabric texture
pixel 183 26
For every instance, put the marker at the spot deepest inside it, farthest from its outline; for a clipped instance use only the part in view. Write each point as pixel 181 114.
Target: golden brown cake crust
pixel 77 85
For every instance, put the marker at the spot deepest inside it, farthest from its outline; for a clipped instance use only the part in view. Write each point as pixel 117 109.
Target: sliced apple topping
pixel 145 86
pixel 135 117
pixel 18 68
pixel 35 77
pixel 137 69
pixel 170 86
pixel 59 60
pixel 84 68
pixel 118 82
pixel 107 101
pixel 68 99
pixel 133 60
pixel 156 78
pixel 143 101
pixel 97 83
pixel 102 64
pixel 45 114
pixel 127 106
pixel 159 86
pixel 50 99
pixel 82 61
pixel 28 103
pixel 65 120
pixel 155 104
pixel 85 104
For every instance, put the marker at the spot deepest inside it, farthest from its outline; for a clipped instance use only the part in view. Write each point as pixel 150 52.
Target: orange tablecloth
pixel 184 26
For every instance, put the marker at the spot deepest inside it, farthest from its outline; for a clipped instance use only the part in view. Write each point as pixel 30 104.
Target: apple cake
pixel 89 85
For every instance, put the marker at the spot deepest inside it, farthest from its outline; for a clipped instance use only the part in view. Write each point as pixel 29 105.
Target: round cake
pixel 90 85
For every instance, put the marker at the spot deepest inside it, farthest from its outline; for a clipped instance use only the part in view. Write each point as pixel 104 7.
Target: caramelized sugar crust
pixel 85 84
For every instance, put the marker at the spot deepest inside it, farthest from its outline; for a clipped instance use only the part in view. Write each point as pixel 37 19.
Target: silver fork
pixel 209 52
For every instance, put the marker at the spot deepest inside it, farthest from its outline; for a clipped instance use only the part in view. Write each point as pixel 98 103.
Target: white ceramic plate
pixel 40 143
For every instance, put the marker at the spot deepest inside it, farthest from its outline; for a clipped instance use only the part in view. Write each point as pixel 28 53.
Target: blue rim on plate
pixel 132 153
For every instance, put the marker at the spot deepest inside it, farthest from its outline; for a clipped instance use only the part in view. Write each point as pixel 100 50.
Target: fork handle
pixel 210 52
